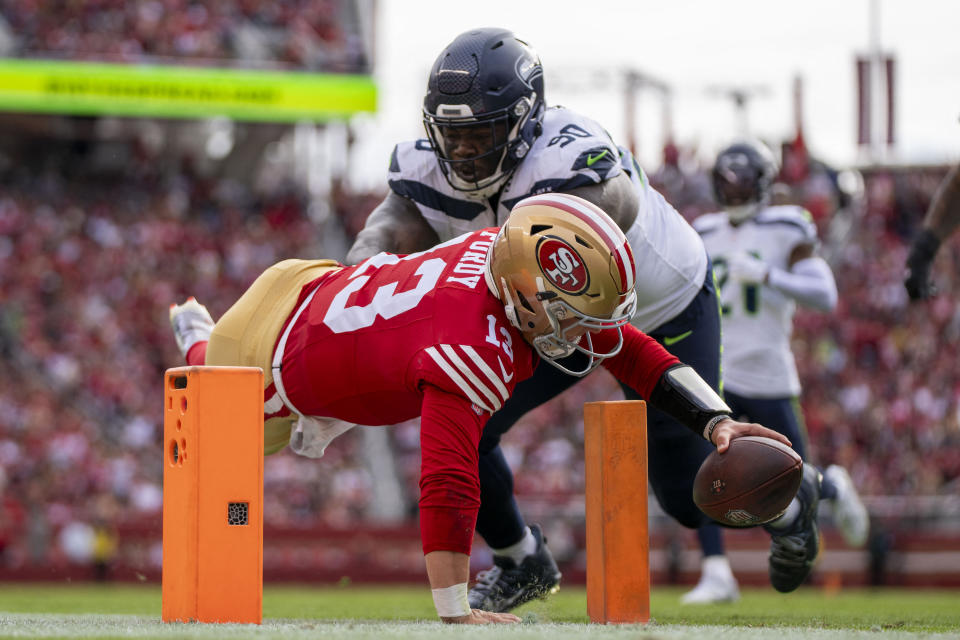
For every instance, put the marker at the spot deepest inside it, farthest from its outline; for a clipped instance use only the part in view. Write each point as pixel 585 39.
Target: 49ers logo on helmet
pixel 562 265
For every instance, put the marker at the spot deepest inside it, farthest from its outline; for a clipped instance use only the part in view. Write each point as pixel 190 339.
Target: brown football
pixel 751 483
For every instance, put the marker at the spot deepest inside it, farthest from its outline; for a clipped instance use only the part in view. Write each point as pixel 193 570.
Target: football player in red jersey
pixel 447 334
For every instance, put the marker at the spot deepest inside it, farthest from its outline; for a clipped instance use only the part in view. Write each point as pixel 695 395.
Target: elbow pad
pixel 682 394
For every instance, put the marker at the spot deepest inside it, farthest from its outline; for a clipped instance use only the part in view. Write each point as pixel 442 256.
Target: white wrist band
pixel 714 421
pixel 451 602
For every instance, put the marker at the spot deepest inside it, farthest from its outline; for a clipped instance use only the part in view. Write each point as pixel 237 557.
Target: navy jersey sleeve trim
pixel 804 229
pixel 556 184
pixel 601 160
pixel 429 197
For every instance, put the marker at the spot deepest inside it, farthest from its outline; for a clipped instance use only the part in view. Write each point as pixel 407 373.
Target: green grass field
pixel 124 611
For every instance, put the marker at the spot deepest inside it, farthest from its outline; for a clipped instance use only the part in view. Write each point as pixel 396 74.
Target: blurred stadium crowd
pixel 90 262
pixel 315 35
pixel 100 231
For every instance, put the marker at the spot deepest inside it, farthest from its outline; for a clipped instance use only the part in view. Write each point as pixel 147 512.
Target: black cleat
pixel 794 550
pixel 505 586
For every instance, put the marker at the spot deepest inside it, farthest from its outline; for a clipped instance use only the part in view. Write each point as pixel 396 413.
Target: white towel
pixel 312 435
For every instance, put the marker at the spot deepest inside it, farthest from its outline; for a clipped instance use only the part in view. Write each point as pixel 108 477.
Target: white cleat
pixel 191 324
pixel 849 514
pixel 717 584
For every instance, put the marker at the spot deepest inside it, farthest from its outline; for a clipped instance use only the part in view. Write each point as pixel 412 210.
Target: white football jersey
pixel 573 151
pixel 757 319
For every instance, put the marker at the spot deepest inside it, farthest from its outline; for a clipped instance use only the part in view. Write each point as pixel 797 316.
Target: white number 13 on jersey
pixel 506 344
pixel 386 302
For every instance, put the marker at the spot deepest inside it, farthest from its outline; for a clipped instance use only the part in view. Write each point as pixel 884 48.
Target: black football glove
pixel 922 251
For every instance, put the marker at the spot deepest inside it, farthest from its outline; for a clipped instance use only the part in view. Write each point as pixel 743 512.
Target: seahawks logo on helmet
pixel 528 67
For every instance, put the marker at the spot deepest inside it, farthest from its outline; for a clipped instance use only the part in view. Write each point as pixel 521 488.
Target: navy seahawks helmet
pixel 484 108
pixel 743 176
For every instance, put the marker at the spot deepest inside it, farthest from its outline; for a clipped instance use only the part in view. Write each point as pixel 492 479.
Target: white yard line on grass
pixel 17 625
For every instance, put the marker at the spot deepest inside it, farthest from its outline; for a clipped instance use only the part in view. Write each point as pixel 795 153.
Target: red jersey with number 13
pixel 397 337
pixel 375 334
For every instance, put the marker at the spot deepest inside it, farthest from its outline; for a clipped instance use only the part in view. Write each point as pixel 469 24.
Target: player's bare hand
pixel 477 616
pixel 729 429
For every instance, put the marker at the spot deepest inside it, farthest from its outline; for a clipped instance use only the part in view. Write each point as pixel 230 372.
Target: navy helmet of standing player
pixel 743 176
pixel 484 108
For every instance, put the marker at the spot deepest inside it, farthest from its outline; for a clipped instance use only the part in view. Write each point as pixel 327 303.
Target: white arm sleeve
pixel 810 282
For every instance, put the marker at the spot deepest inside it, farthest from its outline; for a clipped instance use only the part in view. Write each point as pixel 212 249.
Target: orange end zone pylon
pixel 618 540
pixel 213 495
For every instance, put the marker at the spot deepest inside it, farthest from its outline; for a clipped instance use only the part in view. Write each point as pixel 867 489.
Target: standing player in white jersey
pixel 492 141
pixel 766 263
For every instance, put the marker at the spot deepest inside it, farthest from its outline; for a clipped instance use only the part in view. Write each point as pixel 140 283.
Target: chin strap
pixel 684 395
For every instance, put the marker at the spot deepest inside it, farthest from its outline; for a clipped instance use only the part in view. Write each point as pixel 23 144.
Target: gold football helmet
pixel 562 268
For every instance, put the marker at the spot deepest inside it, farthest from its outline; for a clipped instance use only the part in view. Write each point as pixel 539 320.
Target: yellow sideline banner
pixel 166 91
